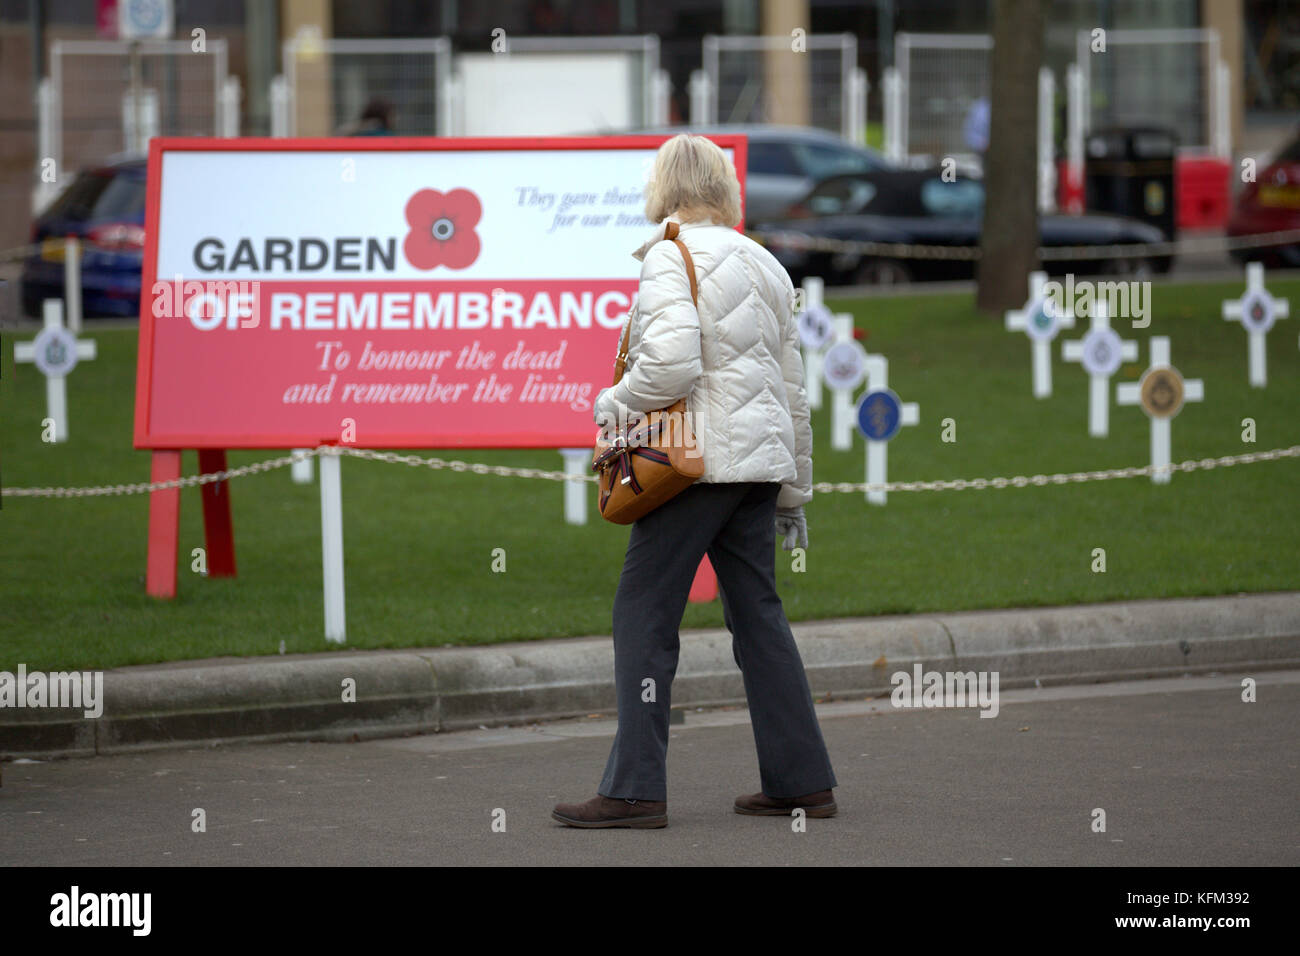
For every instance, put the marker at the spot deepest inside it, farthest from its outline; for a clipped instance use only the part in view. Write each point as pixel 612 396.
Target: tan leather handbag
pixel 655 457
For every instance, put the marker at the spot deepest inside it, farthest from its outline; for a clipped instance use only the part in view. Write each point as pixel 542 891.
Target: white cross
pixel 1100 352
pixel 1160 406
pixel 1041 319
pixel 1256 310
pixel 55 352
pixel 878 451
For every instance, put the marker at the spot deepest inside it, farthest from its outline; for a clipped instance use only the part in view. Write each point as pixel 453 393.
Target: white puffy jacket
pixel 745 390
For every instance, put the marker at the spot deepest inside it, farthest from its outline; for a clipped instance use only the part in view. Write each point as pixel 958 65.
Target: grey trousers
pixel 734 524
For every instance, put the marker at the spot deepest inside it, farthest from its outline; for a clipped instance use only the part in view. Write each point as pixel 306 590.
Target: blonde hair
pixel 693 178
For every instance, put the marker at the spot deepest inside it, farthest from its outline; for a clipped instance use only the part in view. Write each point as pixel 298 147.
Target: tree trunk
pixel 1009 240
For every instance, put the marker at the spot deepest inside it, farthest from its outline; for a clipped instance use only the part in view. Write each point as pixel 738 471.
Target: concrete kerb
pixel 403 692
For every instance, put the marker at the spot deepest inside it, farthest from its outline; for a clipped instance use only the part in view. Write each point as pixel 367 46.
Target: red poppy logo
pixel 442 229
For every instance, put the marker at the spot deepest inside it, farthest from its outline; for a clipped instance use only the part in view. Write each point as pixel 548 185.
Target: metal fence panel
pixel 330 82
pixel 944 76
pixel 739 77
pixel 1162 78
pixel 179 95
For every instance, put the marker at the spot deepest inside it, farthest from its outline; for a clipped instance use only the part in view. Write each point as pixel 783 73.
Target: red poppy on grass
pixel 442 229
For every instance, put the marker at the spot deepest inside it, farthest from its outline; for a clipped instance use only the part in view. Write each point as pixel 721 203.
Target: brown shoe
pixel 819 804
pixel 607 812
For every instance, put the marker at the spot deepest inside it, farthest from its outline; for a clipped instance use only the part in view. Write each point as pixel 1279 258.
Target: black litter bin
pixel 1130 172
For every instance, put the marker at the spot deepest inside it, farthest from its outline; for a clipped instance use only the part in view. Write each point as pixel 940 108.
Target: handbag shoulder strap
pixel 706 325
pixel 670 233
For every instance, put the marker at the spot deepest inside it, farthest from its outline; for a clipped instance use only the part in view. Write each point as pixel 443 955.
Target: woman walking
pixel 736 361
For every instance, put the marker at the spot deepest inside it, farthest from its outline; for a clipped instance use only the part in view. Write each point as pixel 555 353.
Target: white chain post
pixel 1076 123
pixel 72 282
pixel 1046 140
pixel 1222 111
pixel 577 461
pixel 450 102
pixel 331 537
pixel 858 87
pixel 302 472
pixel 278 94
pixel 662 98
pixel 47 145
pixel 891 91
pixel 230 96
pixel 701 97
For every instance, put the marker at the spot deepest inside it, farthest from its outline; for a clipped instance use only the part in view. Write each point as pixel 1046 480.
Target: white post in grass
pixel 1256 310
pixel 331 537
pixel 577 461
pixel 1161 392
pixel 1046 144
pixel 844 367
pixel 72 282
pixel 1041 319
pixel 892 103
pixel 55 352
pixel 301 470
pixel 815 330
pixel 1100 352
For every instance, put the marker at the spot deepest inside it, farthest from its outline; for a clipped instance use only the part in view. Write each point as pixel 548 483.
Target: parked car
pixel 784 162
pixel 104 206
pixel 920 207
pixel 1270 204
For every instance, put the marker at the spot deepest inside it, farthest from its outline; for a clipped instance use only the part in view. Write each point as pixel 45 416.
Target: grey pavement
pixel 1187 773
pixel 430 690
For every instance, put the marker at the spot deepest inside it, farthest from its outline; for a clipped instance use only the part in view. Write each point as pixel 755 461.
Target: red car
pixel 1270 204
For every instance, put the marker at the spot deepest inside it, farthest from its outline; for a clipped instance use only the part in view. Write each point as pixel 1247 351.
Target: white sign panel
pixel 549 94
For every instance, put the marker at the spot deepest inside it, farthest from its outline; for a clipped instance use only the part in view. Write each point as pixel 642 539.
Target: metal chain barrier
pixel 18 253
pixel 144 487
pixel 506 471
pixel 85 244
pixel 902 250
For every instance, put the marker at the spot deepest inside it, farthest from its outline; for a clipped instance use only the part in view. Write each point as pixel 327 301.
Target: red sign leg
pixel 218 532
pixel 164 526
pixel 705 586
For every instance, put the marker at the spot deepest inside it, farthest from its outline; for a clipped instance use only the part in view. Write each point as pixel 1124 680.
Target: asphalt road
pixel 1186 772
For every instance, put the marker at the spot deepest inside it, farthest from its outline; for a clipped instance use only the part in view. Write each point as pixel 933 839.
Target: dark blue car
pixel 104 207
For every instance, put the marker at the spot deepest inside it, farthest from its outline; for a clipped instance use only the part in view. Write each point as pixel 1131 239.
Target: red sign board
pixel 386 292
pixel 378 292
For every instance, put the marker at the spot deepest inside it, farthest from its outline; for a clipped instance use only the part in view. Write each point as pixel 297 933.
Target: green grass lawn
pixel 419 543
